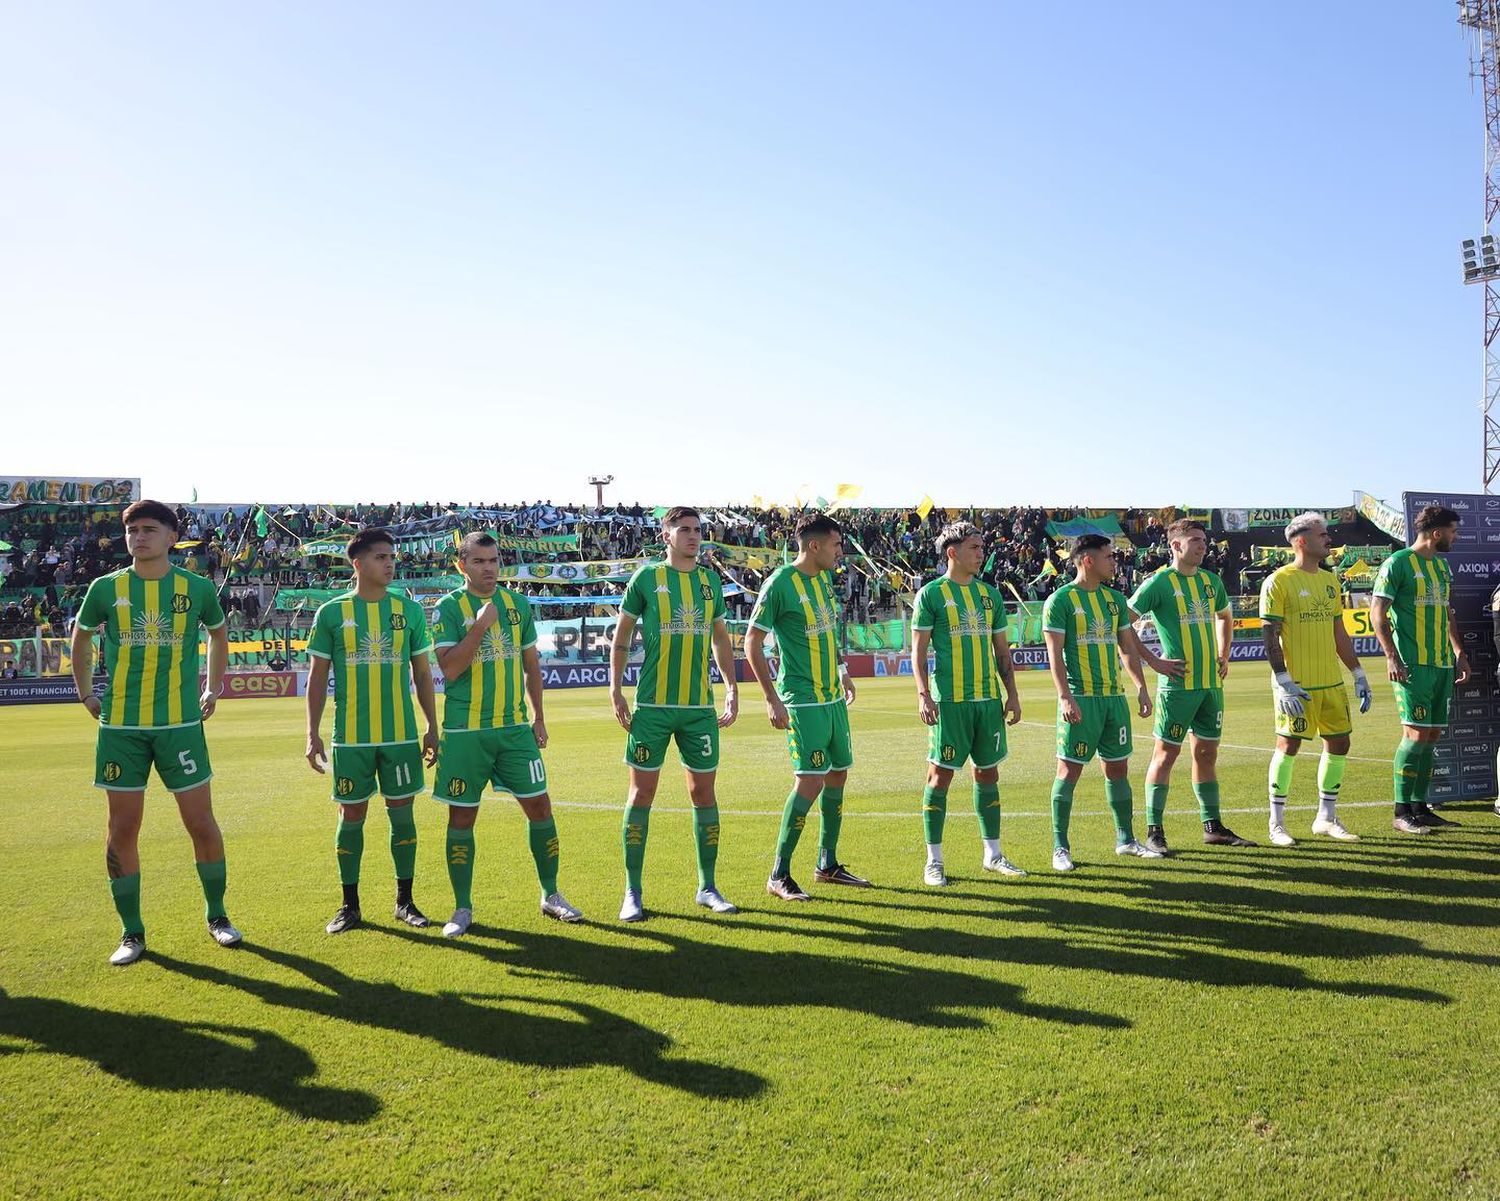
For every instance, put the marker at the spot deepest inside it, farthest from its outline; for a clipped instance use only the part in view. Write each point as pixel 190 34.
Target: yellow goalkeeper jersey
pixel 1306 604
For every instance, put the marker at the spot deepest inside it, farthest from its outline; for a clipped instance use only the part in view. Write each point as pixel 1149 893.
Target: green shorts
pixel 1105 728
pixel 506 757
pixel 818 739
pixel 1184 711
pixel 653 727
pixel 1325 714
pixel 395 766
pixel 123 758
pixel 968 730
pixel 1423 700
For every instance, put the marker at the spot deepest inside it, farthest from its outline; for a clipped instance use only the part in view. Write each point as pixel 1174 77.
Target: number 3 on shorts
pixel 708 744
pixel 187 762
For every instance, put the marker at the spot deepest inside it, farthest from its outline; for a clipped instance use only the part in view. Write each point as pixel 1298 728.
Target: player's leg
pixel 1331 714
pixel 399 769
pixel 195 805
pixel 840 748
pixel 1206 728
pixel 521 772
pixel 123 863
pixel 1291 733
pixel 466 761
pixel 697 737
pixel 645 752
pixel 807 739
pixel 934 814
pixel 1115 746
pixel 1173 709
pixel 1424 719
pixel 1076 745
pixel 987 750
pixel 354 783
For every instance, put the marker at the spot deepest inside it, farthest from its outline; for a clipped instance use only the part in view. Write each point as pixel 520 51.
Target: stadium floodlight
pixel 1481 259
pixel 599 481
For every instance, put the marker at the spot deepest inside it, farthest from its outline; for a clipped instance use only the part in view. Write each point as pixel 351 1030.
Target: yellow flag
pixel 845 495
pixel 757 502
pixel 1049 568
pixel 799 497
pixel 924 508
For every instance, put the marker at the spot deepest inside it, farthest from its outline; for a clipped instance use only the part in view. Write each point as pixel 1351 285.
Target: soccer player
pixel 486 646
pixel 809 697
pixel 1087 628
pixel 376 643
pixel 680 609
pixel 1302 611
pixel 1190 609
pixel 1423 657
pixel 962 619
pixel 151 712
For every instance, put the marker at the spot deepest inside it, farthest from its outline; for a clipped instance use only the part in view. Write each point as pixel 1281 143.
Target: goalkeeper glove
pixel 1362 690
pixel 1289 695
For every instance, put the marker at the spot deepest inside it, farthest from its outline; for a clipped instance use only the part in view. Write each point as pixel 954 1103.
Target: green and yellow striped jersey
pixel 801 611
pixel 370 645
pixel 1306 604
pixel 963 619
pixel 1418 589
pixel 151 645
pixel 1183 608
pixel 677 611
pixel 1089 621
pixel 492 692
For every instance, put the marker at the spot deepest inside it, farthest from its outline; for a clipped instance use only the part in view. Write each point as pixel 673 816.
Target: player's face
pixel 1443 536
pixel 1102 563
pixel 1190 548
pixel 827 551
pixel 1316 541
pixel 481 569
pixel 968 555
pixel 147 538
pixel 685 537
pixel 377 565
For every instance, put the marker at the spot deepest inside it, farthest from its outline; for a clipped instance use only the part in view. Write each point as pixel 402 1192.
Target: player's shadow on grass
pixel 162 1053
pixel 486 1024
pixel 654 961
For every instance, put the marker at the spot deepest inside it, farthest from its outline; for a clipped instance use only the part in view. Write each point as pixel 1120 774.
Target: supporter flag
pixel 194 501
pixel 845 495
pixel 1048 568
pixel 924 508
pixel 262 521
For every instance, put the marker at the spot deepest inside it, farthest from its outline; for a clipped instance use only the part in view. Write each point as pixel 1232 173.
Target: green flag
pixel 262 522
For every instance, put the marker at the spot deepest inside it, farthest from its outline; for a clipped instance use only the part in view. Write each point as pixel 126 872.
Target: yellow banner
pixel 1356 621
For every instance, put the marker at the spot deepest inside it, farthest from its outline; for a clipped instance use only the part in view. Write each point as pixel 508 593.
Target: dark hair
pixel 1183 526
pixel 150 510
pixel 818 525
pixel 954 533
pixel 1435 517
pixel 363 540
pixel 1087 542
pixel 676 514
pixel 477 538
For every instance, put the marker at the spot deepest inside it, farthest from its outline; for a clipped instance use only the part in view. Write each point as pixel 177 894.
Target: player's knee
pixel 536 808
pixel 1206 753
pixel 808 787
pixel 354 813
pixel 1338 746
pixel 1116 769
pixel 940 777
pixel 836 779
pixel 1166 754
pixel 987 775
pixel 461 817
pixel 701 792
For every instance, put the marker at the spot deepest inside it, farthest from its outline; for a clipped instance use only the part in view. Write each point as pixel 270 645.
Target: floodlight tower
pixel 600 482
pixel 1481 20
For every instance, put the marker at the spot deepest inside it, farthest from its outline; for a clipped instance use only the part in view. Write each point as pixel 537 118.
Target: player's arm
pixel 1058 666
pixel 317 698
pixel 421 676
pixel 1224 638
pixel 1460 659
pixel 218 664
pixel 456 659
pixel 531 666
pixel 921 640
pixel 1007 668
pixel 83 668
pixel 1380 619
pixel 724 659
pixel 1344 645
pixel 1132 652
pixel 760 668
pixel 1175 668
pixel 619 654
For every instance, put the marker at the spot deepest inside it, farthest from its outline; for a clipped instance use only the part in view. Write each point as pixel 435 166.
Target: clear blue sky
pixel 999 253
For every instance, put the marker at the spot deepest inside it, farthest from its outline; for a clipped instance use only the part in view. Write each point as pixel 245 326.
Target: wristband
pixel 1284 680
pixel 1359 676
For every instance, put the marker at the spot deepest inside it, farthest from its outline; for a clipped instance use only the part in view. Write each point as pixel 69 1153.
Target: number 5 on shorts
pixel 187 762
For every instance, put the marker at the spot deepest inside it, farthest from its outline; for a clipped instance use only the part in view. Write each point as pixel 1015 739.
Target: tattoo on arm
pixel 1270 634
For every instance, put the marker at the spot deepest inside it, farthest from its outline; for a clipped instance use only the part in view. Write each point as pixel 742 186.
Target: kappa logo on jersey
pixel 111 772
pixel 345 786
pixel 949 754
pixel 398 621
pixel 819 759
pixel 457 787
pixel 181 602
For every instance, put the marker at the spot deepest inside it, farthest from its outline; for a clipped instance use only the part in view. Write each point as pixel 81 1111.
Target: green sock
pixel 1424 772
pixel 1156 803
pixel 544 849
pixel 349 846
pixel 987 807
pixel 831 805
pixel 793 818
pixel 934 813
pixel 1404 773
pixel 1208 800
pixel 1062 811
pixel 706 835
pixel 213 878
pixel 461 866
pixel 1120 798
pixel 126 891
pixel 403 840
pixel 633 830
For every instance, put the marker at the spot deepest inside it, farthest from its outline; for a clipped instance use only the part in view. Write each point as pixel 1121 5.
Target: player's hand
pixel 1289 695
pixel 1396 669
pixel 539 728
pixel 731 708
pixel 94 705
pixel 1068 707
pixel 208 702
pixel 317 757
pixel 487 616
pixel 1012 709
pixel 1223 667
pixel 848 684
pixel 927 709
pixel 621 707
pixel 1172 668
pixel 1143 703
pixel 776 713
pixel 1362 691
pixel 1460 668
pixel 430 743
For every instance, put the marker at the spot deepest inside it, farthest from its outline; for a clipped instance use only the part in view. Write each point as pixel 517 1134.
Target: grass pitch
pixel 1318 1021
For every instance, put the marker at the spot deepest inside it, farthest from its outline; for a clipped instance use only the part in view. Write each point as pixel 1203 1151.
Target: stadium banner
pixel 260 683
pixel 545 544
pixel 1108 525
pixel 34 657
pixel 1464 759
pixel 1280 518
pixel 596 675
pixel 754 557
pixel 43 692
pixel 68 490
pixel 1381 515
pixel 583 572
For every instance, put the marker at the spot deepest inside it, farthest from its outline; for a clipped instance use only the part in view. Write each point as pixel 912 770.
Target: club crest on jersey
pixel 706 593
pixel 641 754
pixel 457 787
pixel 111 772
pixel 1331 590
pixel 181 602
pixel 949 754
pixel 987 601
pixel 1299 725
pixel 513 616
pixel 1419 712
pixel 1176 731
pixel 345 786
pixel 398 621
pixel 819 759
pixel 1080 749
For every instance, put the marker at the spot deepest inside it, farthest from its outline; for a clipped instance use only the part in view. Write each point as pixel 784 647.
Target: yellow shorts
pixel 1325 714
